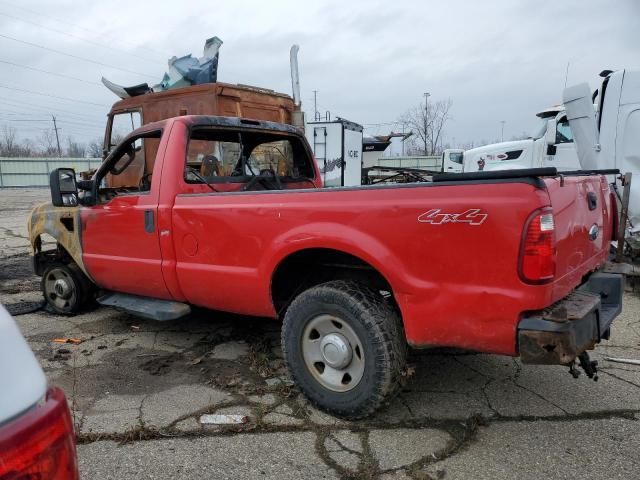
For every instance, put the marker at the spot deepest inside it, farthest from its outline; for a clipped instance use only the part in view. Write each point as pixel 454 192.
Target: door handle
pixel 149 223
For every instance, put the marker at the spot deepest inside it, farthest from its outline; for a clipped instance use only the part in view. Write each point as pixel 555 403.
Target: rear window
pixel 224 156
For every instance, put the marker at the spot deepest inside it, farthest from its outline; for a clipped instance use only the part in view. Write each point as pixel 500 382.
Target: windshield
pixel 541 127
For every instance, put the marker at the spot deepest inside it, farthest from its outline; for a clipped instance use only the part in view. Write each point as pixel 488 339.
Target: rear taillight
pixel 40 443
pixel 538 249
pixel 615 216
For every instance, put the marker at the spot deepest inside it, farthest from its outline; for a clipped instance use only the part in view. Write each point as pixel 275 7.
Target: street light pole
pixel 316 116
pixel 502 134
pixel 426 117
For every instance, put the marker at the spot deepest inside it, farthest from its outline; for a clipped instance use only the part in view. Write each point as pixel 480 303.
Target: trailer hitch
pixel 589 366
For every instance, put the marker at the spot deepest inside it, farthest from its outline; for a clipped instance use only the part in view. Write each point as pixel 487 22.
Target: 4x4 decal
pixel 473 216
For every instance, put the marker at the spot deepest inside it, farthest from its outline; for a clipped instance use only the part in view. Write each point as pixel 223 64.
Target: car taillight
pixel 538 249
pixel 40 443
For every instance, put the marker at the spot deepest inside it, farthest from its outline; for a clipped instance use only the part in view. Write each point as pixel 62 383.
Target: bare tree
pixel 47 143
pixel 428 125
pixel 9 146
pixel 27 148
pixel 75 149
pixel 94 148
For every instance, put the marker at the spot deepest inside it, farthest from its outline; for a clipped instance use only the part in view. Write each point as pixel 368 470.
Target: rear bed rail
pixel 519 173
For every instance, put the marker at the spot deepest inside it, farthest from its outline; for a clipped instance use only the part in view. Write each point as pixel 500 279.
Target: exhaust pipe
pixel 297 116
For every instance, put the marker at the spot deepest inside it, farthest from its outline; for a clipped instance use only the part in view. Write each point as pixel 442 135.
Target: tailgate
pixel 582 212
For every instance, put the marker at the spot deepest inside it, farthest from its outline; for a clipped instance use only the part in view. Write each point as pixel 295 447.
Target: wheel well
pixel 47 250
pixel 306 268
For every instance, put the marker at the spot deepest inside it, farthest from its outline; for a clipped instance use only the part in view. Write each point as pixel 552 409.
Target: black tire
pixel 73 298
pixel 378 329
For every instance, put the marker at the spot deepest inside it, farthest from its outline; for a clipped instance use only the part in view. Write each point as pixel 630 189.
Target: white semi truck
pixel 550 145
pixel 599 130
pixel 608 136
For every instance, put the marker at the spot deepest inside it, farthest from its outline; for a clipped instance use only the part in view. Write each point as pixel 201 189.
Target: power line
pixel 45 108
pixel 92 126
pixel 6 62
pixel 49 95
pixel 84 39
pixel 65 22
pixel 88 125
pixel 146 75
pixel 24 120
pixel 380 124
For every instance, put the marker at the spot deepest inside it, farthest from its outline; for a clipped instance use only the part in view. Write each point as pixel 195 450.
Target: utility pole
pixel 426 117
pixel 55 127
pixel 316 115
pixel 502 134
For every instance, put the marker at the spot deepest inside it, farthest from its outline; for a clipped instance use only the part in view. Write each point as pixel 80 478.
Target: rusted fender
pixel 63 224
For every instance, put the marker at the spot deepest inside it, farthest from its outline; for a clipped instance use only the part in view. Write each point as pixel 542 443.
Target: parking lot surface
pixel 138 389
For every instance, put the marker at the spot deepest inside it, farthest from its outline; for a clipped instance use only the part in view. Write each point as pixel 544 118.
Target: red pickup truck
pixel 231 216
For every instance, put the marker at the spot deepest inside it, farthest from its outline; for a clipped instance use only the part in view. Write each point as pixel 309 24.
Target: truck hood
pixel 500 156
pixel 23 382
pixel 501 147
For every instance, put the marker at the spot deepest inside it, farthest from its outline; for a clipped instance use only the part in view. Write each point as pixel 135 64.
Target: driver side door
pixel 121 248
pixel 565 157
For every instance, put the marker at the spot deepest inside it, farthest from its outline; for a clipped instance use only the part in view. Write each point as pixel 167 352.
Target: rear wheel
pixel 66 289
pixel 345 347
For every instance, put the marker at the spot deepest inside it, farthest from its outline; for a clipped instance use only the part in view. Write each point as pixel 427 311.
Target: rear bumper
pixel 573 325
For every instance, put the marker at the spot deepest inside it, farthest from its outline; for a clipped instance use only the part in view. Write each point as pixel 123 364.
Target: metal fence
pixel 428 163
pixel 34 172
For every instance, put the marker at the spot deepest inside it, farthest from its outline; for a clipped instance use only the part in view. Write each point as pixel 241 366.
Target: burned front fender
pixel 61 223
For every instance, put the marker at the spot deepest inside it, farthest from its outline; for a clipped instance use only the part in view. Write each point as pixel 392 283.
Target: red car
pixel 229 214
pixel 37 439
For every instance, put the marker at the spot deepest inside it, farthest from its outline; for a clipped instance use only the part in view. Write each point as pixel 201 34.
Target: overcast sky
pixel 369 60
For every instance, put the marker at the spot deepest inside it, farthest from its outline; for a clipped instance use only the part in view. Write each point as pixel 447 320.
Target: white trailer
pixel 337 148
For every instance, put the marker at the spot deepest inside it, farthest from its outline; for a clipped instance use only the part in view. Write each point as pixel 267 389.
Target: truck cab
pixel 609 137
pixel 550 145
pixel 452 160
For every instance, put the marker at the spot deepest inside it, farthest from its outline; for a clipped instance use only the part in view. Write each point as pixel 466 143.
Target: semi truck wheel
pixel 345 347
pixel 66 288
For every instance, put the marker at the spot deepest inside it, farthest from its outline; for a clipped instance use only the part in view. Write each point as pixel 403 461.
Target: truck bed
pixel 456 282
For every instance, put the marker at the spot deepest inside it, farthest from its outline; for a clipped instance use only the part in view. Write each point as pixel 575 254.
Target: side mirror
pixel 64 191
pixel 550 134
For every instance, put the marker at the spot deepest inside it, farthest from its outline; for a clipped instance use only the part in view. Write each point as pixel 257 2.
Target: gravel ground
pixel 137 389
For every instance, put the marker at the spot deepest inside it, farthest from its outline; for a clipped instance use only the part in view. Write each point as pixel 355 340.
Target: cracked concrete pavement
pixel 137 389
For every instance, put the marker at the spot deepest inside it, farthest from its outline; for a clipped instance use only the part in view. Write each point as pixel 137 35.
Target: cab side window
pixel 563 132
pixel 212 155
pixel 127 170
pixel 456 158
pixel 122 125
pixel 223 156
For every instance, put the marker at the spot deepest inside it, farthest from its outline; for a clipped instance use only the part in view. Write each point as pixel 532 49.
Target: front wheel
pixel 66 288
pixel 345 347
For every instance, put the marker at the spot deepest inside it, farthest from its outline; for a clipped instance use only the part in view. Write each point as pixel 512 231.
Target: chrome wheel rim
pixel 59 289
pixel 333 353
